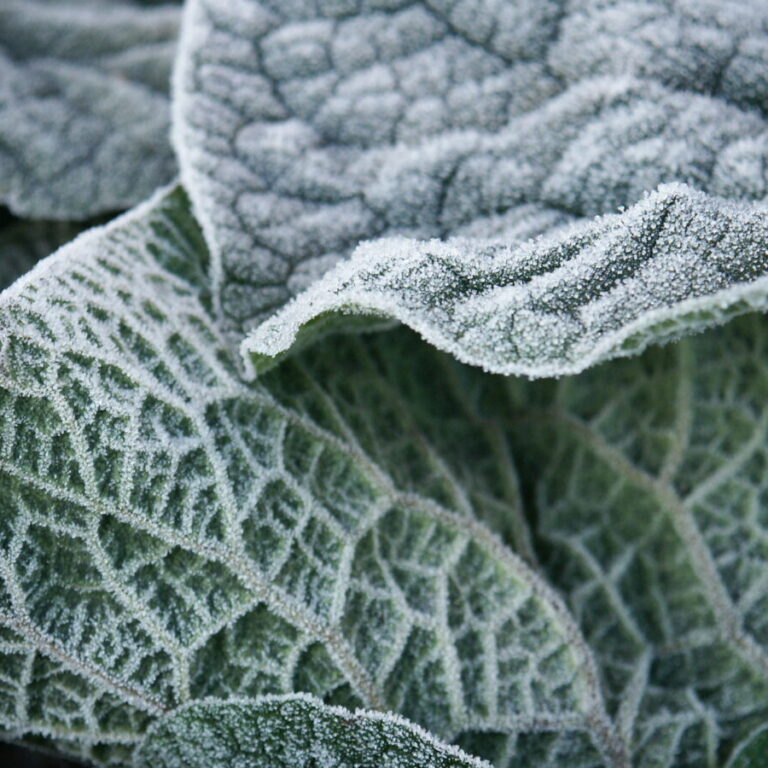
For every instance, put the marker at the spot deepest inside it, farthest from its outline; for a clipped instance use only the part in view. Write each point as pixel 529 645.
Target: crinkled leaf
pixel 304 128
pixel 292 732
pixel 646 478
pixel 643 480
pixel 316 530
pixel 171 532
pixel 84 114
pixel 677 262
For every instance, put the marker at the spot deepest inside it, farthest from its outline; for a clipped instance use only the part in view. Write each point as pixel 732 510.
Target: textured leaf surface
pixel 172 533
pixel 292 732
pixel 643 482
pixel 304 128
pixel 84 114
pixel 676 262
pixel 648 484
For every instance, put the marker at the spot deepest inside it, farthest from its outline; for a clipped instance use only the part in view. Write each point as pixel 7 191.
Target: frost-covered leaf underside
pixel 171 533
pixel 644 481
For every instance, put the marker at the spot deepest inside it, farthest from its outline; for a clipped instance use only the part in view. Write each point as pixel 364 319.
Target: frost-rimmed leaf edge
pixel 321 710
pixel 341 300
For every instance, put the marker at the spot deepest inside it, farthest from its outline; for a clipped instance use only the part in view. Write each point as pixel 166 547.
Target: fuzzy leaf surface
pixel 753 753
pixel 637 487
pixel 303 129
pixel 171 532
pixel 675 263
pixel 84 111
pixel 646 479
pixel 325 529
pixel 292 732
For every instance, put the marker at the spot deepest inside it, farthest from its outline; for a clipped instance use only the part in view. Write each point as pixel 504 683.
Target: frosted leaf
pixel 84 114
pixel 171 532
pixel 676 262
pixel 51 704
pixel 304 128
pixel 642 481
pixel 296 731
pixel 646 479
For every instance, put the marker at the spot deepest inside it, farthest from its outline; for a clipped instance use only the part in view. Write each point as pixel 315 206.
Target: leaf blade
pixel 179 533
pixel 297 142
pixel 676 263
pixel 292 730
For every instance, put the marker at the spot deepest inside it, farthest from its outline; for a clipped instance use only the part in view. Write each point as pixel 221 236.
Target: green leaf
pixel 292 732
pixel 171 533
pixel 675 263
pixel 646 479
pixel 643 483
pixel 304 128
pixel 84 114
pixel 753 753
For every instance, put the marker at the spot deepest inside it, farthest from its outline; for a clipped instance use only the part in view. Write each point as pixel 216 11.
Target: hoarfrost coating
pixel 302 130
pixel 430 562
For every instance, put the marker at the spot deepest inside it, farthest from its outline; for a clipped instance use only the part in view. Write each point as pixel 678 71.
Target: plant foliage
pixel 359 445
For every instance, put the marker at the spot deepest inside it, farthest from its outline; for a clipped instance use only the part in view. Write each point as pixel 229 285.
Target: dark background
pixel 17 757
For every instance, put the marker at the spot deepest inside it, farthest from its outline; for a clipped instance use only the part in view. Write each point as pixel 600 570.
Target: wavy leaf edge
pixel 356 293
pixel 315 708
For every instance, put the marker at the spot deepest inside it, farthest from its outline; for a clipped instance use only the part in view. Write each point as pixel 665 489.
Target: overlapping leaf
pixel 171 533
pixel 84 112
pixel 303 129
pixel 292 732
pixel 675 263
